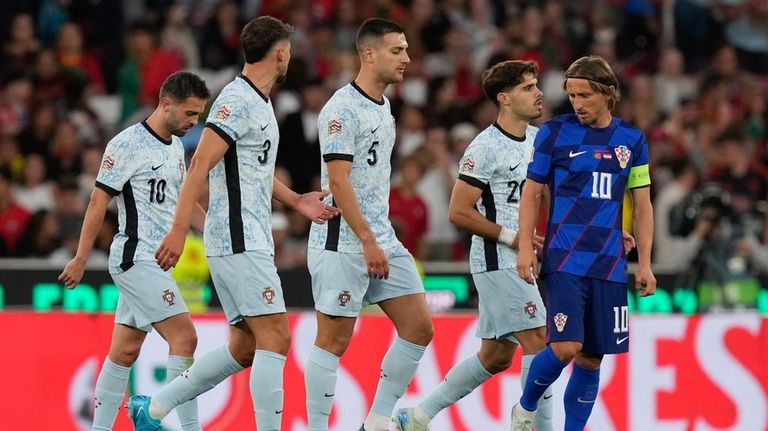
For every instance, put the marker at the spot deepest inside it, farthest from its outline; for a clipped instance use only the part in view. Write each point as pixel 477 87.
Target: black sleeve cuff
pixel 472 181
pixel 337 156
pixel 108 189
pixel 222 134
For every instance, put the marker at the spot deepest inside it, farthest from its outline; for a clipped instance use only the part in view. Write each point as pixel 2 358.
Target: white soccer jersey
pixel 496 162
pixel 240 203
pixel 353 126
pixel 144 172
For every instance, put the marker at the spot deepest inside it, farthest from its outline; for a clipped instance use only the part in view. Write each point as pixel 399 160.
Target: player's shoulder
pixel 628 127
pixel 342 102
pixel 531 131
pixel 130 136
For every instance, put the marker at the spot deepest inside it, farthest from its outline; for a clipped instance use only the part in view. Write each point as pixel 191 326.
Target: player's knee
pixel 497 363
pixel 420 333
pixel 566 351
pixel 124 355
pixel 183 343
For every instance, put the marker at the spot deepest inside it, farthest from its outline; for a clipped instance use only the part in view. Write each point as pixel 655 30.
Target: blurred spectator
pixel 40 236
pixel 64 153
pixel 15 102
pixel 671 85
pixel 34 193
pixel 639 106
pixel 177 36
pixel 53 84
pixel 299 150
pixel 410 131
pixel 289 252
pixel 50 18
pixel 90 160
pixel 36 136
pixel 220 44
pixel 11 160
pixel 20 49
pixel 69 208
pixel 748 32
pixel 71 54
pixel 676 244
pixel 13 217
pixel 407 210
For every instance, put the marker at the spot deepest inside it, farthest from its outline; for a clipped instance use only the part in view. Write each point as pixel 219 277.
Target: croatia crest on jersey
pixel 560 320
pixel 623 153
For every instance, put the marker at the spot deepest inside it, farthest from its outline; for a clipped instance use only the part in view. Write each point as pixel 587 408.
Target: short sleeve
pixel 229 117
pixel 639 173
pixel 476 166
pixel 118 165
pixel 337 129
pixel 540 167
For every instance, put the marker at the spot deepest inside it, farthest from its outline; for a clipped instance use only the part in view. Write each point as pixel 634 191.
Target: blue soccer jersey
pixel 240 204
pixel 144 172
pixel 587 170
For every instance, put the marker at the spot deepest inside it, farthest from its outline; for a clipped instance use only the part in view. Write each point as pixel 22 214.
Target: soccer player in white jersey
pixel 355 259
pixel 237 153
pixel 143 168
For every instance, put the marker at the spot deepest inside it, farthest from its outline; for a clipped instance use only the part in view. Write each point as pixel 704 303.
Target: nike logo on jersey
pixel 264 127
pixel 621 340
pixel 329 395
pixel 277 412
pixel 377 128
pixel 547 397
pixel 572 154
pixel 516 166
pixel 154 168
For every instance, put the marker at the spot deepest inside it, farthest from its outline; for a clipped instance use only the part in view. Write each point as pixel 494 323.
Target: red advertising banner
pixel 683 373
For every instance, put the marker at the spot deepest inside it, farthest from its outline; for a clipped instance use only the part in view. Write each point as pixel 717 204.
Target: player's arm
pixel 643 222
pixel 527 264
pixel 94 217
pixel 310 205
pixel 198 218
pixel 211 149
pixel 346 200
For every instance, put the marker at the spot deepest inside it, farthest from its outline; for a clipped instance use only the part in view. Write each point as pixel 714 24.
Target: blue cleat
pixel 138 411
pixel 404 421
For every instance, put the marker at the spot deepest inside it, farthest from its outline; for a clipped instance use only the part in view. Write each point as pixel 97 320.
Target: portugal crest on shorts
pixel 268 294
pixel 344 297
pixel 623 153
pixel 530 308
pixel 169 297
pixel 560 320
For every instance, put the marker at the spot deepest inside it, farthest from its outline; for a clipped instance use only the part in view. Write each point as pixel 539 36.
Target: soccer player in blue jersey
pixel 237 154
pixel 485 201
pixel 143 168
pixel 356 259
pixel 587 159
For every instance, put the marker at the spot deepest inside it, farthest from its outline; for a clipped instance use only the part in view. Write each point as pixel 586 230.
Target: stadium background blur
pixel 694 76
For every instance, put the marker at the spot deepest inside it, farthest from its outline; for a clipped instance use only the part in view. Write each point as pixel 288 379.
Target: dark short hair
pixel 260 35
pixel 506 75
pixel 375 28
pixel 598 72
pixel 733 133
pixel 181 85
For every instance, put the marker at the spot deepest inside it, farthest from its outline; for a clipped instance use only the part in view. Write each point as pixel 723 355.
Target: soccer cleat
pixel 404 421
pixel 138 411
pixel 522 419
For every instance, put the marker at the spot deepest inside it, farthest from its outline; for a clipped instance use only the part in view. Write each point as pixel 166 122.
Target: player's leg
pixel 532 342
pixel 180 334
pixel 113 378
pixel 272 342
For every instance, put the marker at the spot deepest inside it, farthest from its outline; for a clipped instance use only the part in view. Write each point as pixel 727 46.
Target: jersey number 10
pixel 602 183
pixel 157 191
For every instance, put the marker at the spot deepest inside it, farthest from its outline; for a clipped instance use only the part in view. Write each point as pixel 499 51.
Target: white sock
pixel 320 382
pixel 397 370
pixel 186 412
pixel 267 389
pixel 109 394
pixel 462 379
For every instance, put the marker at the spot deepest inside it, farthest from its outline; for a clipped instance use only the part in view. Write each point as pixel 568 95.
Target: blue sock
pixel 187 412
pixel 208 371
pixel 462 379
pixel 397 370
pixel 110 390
pixel 580 396
pixel 543 421
pixel 545 369
pixel 267 389
pixel 320 382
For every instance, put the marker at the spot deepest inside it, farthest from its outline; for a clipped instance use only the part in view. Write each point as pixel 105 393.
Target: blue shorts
pixel 588 310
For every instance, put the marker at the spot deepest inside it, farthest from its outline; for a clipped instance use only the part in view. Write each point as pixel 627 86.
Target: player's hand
pixel 311 206
pixel 170 249
pixel 628 241
pixel 527 265
pixel 645 282
pixel 375 260
pixel 73 272
pixel 538 244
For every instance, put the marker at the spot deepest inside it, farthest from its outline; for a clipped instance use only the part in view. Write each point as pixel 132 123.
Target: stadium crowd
pixel 694 77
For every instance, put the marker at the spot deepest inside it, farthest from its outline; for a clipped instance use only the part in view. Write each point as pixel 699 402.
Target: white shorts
pixel 147 295
pixel 341 286
pixel 247 284
pixel 507 304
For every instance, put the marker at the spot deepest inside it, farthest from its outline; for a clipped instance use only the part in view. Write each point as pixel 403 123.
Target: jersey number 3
pixel 265 155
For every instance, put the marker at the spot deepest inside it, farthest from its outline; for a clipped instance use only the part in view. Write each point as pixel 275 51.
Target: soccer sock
pixel 208 371
pixel 462 379
pixel 320 382
pixel 545 369
pixel 397 370
pixel 110 390
pixel 187 412
pixel 580 396
pixel 543 421
pixel 267 389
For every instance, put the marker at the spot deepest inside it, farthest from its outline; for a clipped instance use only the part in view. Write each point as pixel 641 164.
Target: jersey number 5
pixel 157 191
pixel 372 158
